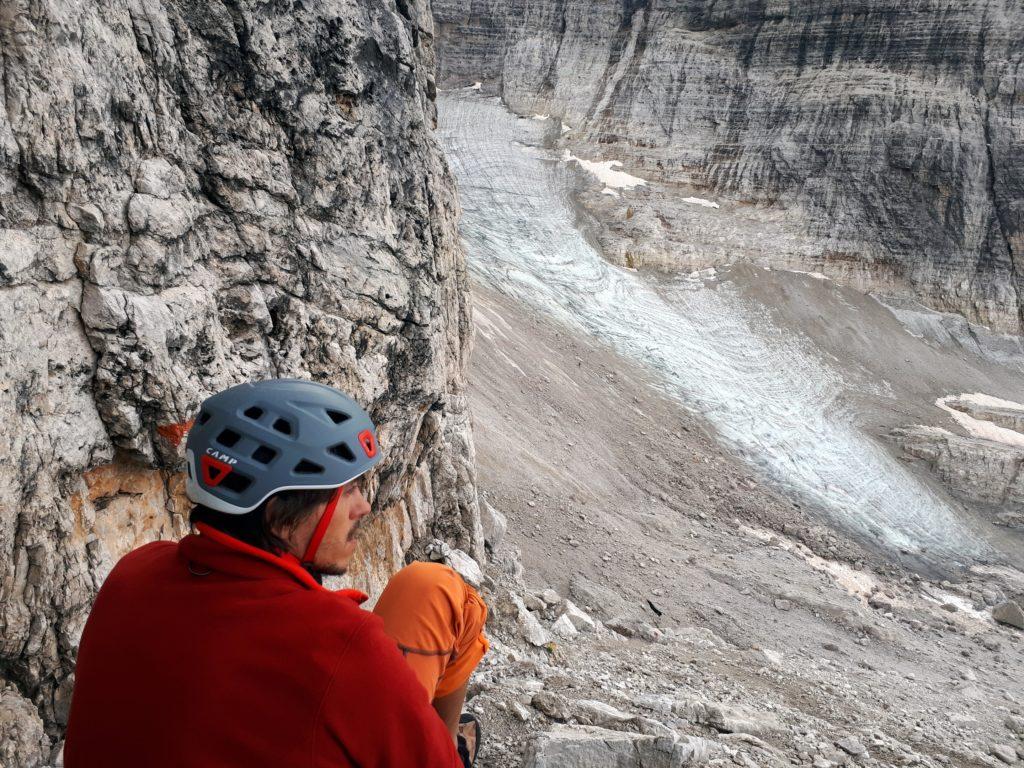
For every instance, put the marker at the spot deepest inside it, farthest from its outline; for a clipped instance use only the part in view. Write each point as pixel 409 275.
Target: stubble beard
pixel 332 569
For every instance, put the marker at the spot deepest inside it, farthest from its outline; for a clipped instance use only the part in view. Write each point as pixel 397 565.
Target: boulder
pixel 466 567
pixel 593 712
pixel 851 745
pixel 589 747
pixel 635 628
pixel 551 704
pixel 1004 753
pixel 493 524
pixel 580 619
pixel 529 628
pixel 1009 613
pixel 1015 725
pixel 550 597
pixel 564 628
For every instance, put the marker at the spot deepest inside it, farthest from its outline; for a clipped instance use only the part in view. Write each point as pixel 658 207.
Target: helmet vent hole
pixel 235 482
pixel 203 418
pixel 342 451
pixel 228 438
pixel 264 455
pixel 254 412
pixel 305 467
pixel 282 426
pixel 338 417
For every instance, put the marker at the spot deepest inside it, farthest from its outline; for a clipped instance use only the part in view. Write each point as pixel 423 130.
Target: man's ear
pixel 268 515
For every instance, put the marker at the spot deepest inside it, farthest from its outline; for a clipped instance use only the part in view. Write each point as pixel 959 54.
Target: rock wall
pixel 891 131
pixel 195 194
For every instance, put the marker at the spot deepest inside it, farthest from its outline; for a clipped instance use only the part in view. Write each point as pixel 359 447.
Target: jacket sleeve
pixel 376 713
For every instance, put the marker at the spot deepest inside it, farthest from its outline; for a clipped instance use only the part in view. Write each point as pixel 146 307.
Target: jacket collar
pixel 213 550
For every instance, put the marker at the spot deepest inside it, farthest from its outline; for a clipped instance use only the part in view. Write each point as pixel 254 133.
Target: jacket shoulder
pixel 147 556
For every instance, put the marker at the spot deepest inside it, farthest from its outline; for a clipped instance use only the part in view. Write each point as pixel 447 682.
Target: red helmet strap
pixel 322 526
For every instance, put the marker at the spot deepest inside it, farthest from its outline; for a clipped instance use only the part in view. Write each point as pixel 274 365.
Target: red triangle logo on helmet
pixel 213 470
pixel 368 442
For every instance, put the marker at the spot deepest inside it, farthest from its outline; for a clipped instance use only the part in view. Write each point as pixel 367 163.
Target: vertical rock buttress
pixel 195 194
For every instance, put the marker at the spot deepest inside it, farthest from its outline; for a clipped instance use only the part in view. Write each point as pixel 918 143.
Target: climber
pixel 225 649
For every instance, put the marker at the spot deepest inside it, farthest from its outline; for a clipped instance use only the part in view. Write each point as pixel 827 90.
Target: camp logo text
pixel 221 456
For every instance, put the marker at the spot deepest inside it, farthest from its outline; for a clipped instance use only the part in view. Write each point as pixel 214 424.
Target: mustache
pixel 356 530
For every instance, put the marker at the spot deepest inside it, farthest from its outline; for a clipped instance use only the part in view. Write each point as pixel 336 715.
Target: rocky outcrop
pixel 889 133
pixel 985 465
pixel 194 194
pixel 989 474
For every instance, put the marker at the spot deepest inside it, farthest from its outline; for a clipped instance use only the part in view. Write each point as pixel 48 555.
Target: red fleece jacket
pixel 210 652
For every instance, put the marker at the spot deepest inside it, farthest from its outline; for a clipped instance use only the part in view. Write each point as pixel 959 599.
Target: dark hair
pixel 289 508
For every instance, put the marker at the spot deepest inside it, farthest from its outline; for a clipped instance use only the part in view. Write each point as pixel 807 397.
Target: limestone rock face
pixel 986 473
pixel 890 132
pixel 195 194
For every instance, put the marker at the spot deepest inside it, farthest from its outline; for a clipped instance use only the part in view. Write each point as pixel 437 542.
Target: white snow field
pixel 985 430
pixel 772 401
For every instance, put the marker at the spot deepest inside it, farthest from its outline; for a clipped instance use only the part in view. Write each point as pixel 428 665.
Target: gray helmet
pixel 253 440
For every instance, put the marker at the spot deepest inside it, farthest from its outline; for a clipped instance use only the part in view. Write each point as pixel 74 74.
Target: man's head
pixel 287 522
pixel 279 464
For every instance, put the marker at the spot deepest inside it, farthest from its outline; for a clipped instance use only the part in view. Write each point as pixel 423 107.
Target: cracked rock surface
pixel 194 195
pixel 878 142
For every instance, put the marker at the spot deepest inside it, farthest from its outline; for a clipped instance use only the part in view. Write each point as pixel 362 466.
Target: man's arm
pixel 377 712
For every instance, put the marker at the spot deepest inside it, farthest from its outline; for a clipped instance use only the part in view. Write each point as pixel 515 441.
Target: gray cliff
pixel 892 133
pixel 193 194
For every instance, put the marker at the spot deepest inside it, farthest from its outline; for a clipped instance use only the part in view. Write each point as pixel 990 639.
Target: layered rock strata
pixel 195 194
pixel 890 133
pixel 984 466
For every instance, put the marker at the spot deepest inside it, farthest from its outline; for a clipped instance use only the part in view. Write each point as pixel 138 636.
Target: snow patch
pixel 565 128
pixel 963 605
pixel 476 86
pixel 540 117
pixel 605 172
pixel 700 201
pixel 609 191
pixel 704 274
pixel 984 430
pixel 815 275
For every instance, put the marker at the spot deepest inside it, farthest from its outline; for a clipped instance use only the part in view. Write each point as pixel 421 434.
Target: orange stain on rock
pixel 175 433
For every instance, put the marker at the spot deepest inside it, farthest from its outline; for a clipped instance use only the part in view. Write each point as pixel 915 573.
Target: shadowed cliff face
pixel 891 131
pixel 194 194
